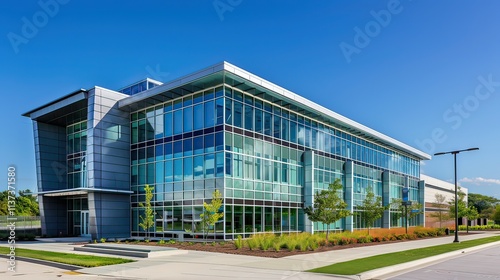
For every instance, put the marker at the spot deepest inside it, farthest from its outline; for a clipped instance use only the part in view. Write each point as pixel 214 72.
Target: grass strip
pixel 66 258
pixel 357 266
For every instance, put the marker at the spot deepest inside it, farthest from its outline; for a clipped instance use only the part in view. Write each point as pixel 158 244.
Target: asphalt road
pixel 484 264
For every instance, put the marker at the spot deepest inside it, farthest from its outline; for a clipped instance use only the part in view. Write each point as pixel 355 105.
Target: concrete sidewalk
pixel 205 265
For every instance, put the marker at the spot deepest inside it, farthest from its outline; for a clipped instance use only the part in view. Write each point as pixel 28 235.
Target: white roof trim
pixel 279 90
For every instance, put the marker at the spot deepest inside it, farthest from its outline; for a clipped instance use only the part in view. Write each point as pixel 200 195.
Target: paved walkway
pixel 205 265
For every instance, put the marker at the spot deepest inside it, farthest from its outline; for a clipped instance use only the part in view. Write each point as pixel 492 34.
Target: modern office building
pixel 266 149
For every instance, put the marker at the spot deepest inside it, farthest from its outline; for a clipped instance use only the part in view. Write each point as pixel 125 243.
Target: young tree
pixel 462 206
pixel 148 219
pixel 471 214
pixel 401 211
pixel 211 212
pixel 496 216
pixel 329 207
pixel 441 207
pixel 371 209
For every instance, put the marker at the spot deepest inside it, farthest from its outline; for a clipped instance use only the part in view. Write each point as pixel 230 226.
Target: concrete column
pixel 308 188
pixel 386 199
pixel 349 193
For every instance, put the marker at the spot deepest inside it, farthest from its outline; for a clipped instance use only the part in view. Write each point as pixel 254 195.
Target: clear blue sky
pixel 413 75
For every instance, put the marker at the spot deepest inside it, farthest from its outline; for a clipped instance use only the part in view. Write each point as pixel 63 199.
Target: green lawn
pixel 365 264
pixel 66 258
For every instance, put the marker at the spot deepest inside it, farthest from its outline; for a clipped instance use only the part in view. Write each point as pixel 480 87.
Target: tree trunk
pixel 327 231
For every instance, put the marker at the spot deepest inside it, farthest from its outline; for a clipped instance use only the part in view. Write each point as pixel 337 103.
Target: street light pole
pixel 456 186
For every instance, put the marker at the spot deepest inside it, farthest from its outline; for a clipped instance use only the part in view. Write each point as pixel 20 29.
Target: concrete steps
pixel 137 251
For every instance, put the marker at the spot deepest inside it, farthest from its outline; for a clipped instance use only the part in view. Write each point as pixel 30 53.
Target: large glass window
pixel 178 122
pixel 209 114
pixel 198 116
pixel 238 111
pixel 188 119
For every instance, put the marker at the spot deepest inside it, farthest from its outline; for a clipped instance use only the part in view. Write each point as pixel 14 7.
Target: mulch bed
pixel 229 248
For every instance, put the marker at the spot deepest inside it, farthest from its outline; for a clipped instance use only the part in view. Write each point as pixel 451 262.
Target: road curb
pixel 372 274
pixel 47 263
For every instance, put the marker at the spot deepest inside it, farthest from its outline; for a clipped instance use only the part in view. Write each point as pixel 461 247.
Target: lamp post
pixel 456 187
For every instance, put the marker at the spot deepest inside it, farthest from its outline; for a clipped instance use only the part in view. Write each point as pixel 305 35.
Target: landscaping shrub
pixel 238 243
pixel 291 244
pixel 252 243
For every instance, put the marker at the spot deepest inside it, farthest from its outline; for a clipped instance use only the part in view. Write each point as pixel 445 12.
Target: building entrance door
pixel 84 230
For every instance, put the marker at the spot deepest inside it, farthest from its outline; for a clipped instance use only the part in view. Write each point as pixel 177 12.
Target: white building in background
pixel 435 186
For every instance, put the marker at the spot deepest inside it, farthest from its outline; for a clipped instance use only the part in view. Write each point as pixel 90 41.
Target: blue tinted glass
pixel 284 129
pixel 188 146
pixel 178 122
pixel 219 165
pixel 168 107
pixel 237 116
pixel 160 169
pixel 209 94
pixel 219 92
pixel 167 118
pixel 188 119
pixel 177 104
pixel 198 145
pixel 248 117
pixel 198 98
pixel 198 116
pixel 178 170
pixel 277 126
pixel 198 167
pixel 167 149
pixel 229 111
pixel 188 168
pixel 219 141
pixel 169 177
pixel 238 95
pixel 177 149
pixel 267 123
pixel 159 152
pixel 209 114
pixel 229 167
pixel 258 121
pixel 228 92
pixel 209 143
pixel 188 100
pixel 209 166
pixel 219 111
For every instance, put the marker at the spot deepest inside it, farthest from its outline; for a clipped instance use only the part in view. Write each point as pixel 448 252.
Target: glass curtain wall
pixel 252 151
pixel 76 150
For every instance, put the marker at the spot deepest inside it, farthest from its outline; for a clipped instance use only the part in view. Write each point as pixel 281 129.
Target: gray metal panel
pixel 109 141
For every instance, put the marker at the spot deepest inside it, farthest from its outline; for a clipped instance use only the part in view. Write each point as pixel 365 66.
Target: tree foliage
pixel 399 210
pixel 25 203
pixel 462 205
pixel 371 209
pixel 148 219
pixel 485 205
pixel 496 216
pixel 471 214
pixel 441 209
pixel 212 212
pixel 329 207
